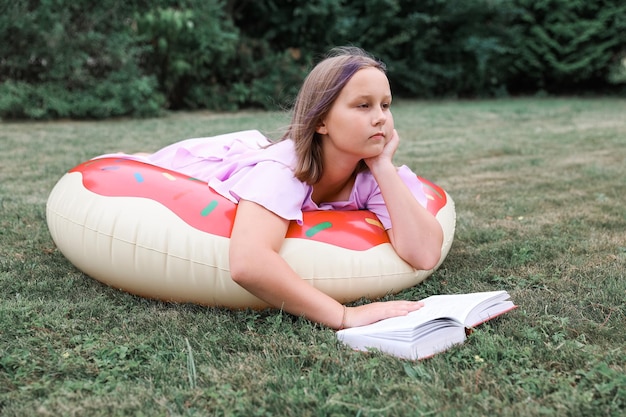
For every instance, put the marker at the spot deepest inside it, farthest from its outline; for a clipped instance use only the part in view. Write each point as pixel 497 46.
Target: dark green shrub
pixel 437 48
pixel 97 59
pixel 431 47
pixel 189 47
pixel 72 59
pixel 442 48
pixel 265 78
pixel 309 26
pixel 280 39
pixel 568 45
pixel 110 97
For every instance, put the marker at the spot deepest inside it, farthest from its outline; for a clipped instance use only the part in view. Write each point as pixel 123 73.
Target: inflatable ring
pixel 160 234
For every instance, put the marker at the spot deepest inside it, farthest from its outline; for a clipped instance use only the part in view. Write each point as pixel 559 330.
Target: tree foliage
pixel 567 45
pixel 72 59
pixel 96 59
pixel 186 46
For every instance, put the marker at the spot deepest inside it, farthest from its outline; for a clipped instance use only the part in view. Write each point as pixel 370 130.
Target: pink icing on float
pixel 161 234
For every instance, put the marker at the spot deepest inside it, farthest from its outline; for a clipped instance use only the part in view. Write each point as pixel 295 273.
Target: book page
pixel 438 325
pixel 437 337
pixel 455 307
pixel 470 309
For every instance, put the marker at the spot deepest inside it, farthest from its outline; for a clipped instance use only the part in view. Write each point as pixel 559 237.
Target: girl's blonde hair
pixel 316 96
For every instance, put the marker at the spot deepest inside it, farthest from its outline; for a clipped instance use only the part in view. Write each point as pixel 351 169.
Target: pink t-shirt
pixel 239 166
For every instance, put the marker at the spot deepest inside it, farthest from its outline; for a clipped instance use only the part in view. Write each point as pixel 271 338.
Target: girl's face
pixel 359 123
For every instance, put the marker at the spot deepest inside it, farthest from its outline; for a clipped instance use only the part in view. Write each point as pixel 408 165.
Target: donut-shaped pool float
pixel 160 234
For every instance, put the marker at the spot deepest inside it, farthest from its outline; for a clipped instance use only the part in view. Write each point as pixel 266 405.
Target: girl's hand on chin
pixel 391 146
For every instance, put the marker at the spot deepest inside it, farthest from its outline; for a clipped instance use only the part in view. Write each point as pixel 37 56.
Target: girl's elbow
pixel 428 261
pixel 241 271
pixel 432 255
pixel 424 258
pixel 239 275
pixel 421 259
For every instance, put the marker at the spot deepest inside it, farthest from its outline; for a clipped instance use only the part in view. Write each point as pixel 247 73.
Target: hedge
pixel 99 59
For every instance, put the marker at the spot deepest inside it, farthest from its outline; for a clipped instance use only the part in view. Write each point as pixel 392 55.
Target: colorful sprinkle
pixel 374 222
pixel 318 228
pixel 138 177
pixel 110 168
pixel 169 176
pixel 432 190
pixel 181 194
pixel 208 209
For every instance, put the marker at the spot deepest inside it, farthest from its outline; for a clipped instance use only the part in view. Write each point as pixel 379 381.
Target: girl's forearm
pixel 415 234
pixel 271 279
pixel 256 265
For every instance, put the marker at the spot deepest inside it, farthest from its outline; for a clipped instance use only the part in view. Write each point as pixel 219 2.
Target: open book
pixel 439 324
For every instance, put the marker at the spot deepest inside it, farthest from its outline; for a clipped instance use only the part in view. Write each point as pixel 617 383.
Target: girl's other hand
pixel 371 313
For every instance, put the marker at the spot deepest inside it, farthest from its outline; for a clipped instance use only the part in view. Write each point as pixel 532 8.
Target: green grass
pixel 539 185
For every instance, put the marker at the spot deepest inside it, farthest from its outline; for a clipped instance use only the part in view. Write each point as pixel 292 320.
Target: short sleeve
pixel 376 204
pixel 270 184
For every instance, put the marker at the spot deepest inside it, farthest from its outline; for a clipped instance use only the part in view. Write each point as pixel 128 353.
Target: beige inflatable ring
pixel 162 235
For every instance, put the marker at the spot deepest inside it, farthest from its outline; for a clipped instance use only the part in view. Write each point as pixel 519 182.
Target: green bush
pixel 432 47
pixel 568 45
pixel 447 48
pixel 265 78
pixel 188 49
pixel 72 59
pixel 437 48
pixel 110 97
pixel 98 59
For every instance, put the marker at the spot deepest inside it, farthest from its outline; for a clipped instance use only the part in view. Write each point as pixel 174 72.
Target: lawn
pixel 539 187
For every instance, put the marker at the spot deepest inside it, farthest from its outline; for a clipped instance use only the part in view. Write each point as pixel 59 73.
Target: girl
pixel 336 154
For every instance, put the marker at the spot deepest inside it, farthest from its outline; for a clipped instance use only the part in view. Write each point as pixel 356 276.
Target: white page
pixel 454 306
